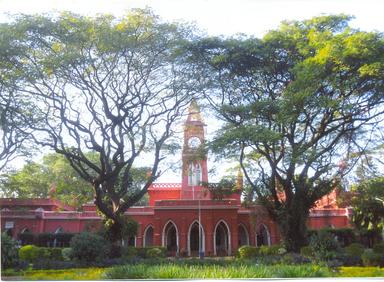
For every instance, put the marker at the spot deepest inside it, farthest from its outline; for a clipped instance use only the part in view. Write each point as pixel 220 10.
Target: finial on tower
pixel 194 112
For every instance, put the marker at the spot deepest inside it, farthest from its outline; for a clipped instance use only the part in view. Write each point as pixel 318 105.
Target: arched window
pixel 56 242
pixel 196 239
pixel 222 239
pixel 243 235
pixel 148 236
pixel 25 230
pixel 59 230
pixel 263 237
pixel 171 238
pixel 131 242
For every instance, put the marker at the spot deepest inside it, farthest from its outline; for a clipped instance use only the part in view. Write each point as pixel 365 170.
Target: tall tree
pixel 13 127
pixel 294 103
pixel 115 87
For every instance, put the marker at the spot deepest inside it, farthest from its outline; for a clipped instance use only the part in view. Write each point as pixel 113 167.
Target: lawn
pixel 201 271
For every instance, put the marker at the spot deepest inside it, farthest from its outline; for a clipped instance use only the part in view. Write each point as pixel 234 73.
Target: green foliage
pixel 360 272
pixel 293 102
pixel 53 254
pixel 82 274
pixel 225 187
pixel 367 210
pixel 185 271
pixel 324 245
pixel 9 252
pixel 33 253
pixel 155 253
pixel 306 251
pixel 66 253
pixel 53 176
pixel 371 258
pixel 354 249
pixel 378 248
pixel 89 247
pixel 295 259
pixel 130 252
pixel 246 252
pixel 101 59
pixel 30 253
pixel 114 230
pixel 271 250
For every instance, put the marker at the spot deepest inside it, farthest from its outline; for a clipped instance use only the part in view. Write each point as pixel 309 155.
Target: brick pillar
pixel 208 228
pixel 157 229
pixel 234 235
pixel 139 235
pixel 183 237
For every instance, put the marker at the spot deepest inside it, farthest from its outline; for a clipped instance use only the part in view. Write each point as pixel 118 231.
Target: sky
pixel 215 17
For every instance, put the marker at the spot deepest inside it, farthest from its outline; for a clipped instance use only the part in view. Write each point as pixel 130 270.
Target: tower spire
pixel 194 112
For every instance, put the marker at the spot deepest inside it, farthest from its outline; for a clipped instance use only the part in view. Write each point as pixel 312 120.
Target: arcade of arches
pixel 182 217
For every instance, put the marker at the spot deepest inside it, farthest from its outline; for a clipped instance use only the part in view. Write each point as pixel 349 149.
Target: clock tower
pixel 194 158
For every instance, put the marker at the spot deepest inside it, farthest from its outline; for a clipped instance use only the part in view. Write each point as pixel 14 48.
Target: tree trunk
pixel 293 226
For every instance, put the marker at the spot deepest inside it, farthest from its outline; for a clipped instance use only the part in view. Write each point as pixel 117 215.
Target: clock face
pixel 194 142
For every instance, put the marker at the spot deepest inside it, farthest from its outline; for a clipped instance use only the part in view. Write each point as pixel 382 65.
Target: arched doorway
pixel 242 235
pixel 148 236
pixel 56 241
pixel 171 238
pixel 193 239
pixel 262 236
pixel 222 239
pixel 131 241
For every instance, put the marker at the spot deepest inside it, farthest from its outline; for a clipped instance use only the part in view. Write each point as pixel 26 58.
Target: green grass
pixel 143 271
pixel 190 269
pixel 65 274
pixel 358 271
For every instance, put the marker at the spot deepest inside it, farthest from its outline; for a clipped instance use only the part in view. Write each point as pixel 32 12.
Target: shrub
pixel 54 264
pixel 270 250
pixel 115 251
pixel 130 252
pixel 30 253
pixel 293 258
pixel 370 258
pixel 89 247
pixel 378 248
pixel 52 253
pixel 66 253
pixel 354 250
pixel 143 252
pixel 246 252
pixel 324 245
pixel 9 253
pixel 154 253
pixel 348 260
pixel 306 251
pixel 63 239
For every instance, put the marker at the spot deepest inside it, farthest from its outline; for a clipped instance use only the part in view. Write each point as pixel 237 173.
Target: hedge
pixel 33 253
pixel 46 239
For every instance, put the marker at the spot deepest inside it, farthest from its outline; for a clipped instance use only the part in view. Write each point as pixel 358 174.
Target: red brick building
pixel 175 209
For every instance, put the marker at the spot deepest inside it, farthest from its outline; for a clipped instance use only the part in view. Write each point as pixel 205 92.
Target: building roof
pixel 34 203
